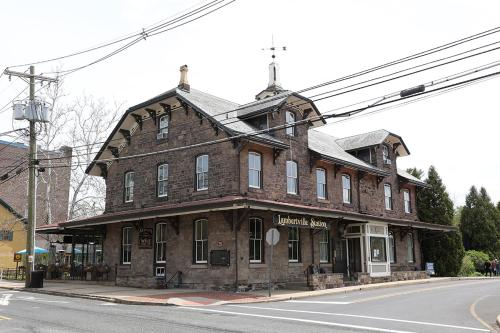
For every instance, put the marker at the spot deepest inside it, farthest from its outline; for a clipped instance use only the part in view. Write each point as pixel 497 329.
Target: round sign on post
pixel 272 236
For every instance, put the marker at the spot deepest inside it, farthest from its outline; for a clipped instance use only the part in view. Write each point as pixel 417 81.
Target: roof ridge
pixel 209 94
pixel 364 133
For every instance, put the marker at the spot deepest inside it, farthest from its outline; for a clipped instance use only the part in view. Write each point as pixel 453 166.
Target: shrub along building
pixel 193 186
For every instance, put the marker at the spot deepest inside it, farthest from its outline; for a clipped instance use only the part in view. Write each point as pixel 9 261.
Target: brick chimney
pixel 183 83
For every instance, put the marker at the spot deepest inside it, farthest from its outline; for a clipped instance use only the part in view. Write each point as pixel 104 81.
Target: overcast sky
pixel 458 132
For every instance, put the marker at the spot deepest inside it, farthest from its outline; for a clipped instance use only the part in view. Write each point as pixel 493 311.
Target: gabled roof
pixel 326 145
pixel 411 179
pixel 216 109
pixel 12 210
pixel 264 105
pixel 373 139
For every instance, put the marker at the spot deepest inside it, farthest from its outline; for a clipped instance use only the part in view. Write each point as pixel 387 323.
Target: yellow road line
pixel 374 298
pixel 472 310
pixel 4 318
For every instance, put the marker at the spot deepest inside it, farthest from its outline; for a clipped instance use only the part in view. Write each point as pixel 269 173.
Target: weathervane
pixel 274 48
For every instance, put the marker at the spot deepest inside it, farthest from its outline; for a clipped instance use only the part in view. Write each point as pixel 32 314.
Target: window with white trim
pixel 385 154
pixel 255 234
pixel 324 246
pixel 254 170
pixel 388 196
pixel 410 247
pixel 321 183
pixel 126 258
pixel 293 244
pixel 161 243
pixel 407 202
pixel 291 177
pixel 129 187
pixel 201 241
pixel 162 180
pixel 202 172
pixel 346 189
pixel 392 248
pixel 163 127
pixel 290 119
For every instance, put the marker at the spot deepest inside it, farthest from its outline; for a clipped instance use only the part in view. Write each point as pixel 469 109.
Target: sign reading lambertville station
pixel 300 221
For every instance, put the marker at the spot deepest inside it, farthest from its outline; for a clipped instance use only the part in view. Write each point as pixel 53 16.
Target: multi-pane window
pixel 324 246
pixel 346 189
pixel 377 249
pixel 410 247
pixel 388 196
pixel 293 244
pixel 6 235
pixel 161 242
pixel 201 241
pixel 162 180
pixel 392 248
pixel 254 170
pixel 255 235
pixel 129 187
pixel 291 177
pixel 385 155
pixel 290 120
pixel 126 245
pixel 202 172
pixel 406 200
pixel 163 127
pixel 321 183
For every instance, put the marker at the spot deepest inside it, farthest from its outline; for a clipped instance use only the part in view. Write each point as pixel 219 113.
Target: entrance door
pixel 354 255
pixel 340 265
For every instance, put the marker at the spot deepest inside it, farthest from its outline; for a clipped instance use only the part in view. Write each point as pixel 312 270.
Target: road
pixel 457 306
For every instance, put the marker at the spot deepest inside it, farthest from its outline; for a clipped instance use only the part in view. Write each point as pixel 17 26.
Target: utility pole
pixel 34 112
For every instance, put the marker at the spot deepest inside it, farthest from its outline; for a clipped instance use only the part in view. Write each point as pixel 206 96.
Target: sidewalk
pixel 189 297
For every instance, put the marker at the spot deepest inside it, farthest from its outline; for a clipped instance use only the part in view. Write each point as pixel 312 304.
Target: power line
pixel 284 126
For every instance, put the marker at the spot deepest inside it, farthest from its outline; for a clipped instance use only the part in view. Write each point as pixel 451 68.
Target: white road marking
pixel 108 304
pixel 5 299
pixel 318 322
pixel 366 317
pixel 319 302
pixel 35 299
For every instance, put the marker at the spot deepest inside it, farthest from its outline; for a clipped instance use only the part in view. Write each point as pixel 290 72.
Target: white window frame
pixel 160 271
pixel 129 186
pixel 346 189
pixel 410 244
pixel 295 256
pixel 200 239
pixel 290 119
pixel 292 179
pixel 321 183
pixel 392 248
pixel 385 154
pixel 255 238
pixel 126 258
pixel 324 246
pixel 161 243
pixel 162 180
pixel 407 201
pixel 254 169
pixel 388 197
pixel 202 172
pixel 163 123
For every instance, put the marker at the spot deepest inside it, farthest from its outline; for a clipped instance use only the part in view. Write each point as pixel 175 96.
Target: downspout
pixel 359 192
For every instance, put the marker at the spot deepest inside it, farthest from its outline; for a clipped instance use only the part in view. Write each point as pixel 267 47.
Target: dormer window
pixel 162 127
pixel 385 155
pixel 290 119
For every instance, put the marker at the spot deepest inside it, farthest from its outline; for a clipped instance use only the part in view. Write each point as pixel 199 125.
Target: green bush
pixel 478 258
pixel 467 268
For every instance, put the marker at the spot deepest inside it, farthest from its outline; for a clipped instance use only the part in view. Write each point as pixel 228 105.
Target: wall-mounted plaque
pixel 146 238
pixel 219 258
pixel 301 221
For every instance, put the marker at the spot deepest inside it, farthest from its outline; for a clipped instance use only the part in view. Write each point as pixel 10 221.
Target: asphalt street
pixel 457 306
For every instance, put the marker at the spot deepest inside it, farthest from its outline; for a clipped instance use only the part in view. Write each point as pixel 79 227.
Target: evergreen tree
pixel 479 222
pixel 434 205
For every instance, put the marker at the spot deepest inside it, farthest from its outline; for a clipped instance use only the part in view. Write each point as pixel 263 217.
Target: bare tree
pixel 91 120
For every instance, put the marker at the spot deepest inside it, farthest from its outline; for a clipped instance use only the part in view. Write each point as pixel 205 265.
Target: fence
pixel 12 273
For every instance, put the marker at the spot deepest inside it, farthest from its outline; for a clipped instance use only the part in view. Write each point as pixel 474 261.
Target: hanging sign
pixel 146 238
pixel 303 221
pixel 17 257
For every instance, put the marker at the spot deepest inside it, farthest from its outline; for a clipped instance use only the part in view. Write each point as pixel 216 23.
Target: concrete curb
pixel 276 298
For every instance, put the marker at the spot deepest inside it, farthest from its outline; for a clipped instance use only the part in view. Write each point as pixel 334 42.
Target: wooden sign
pixel 146 238
pixel 17 257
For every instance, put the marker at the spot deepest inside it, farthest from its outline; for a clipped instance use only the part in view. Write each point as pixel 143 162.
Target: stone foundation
pixel 326 281
pixel 365 278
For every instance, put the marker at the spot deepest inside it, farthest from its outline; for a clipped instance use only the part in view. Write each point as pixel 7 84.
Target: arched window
pixel 201 241
pixel 392 248
pixel 410 247
pixel 255 234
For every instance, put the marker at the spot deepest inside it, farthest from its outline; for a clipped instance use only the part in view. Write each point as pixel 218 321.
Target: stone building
pixel 194 182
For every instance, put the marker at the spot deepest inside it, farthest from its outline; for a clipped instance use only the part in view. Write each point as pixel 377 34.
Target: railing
pixel 12 273
pixel 179 279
